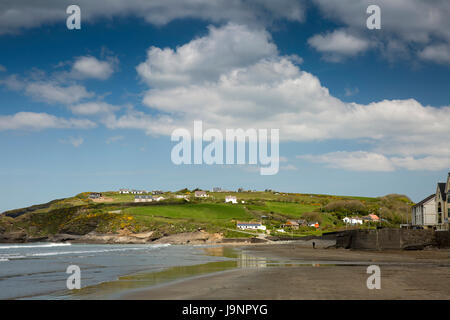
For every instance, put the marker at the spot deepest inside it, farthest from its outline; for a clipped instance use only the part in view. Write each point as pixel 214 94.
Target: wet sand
pixel 290 271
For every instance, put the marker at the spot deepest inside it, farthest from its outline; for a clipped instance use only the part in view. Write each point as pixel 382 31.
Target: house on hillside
pixel 424 212
pixel 250 226
pixel 95 195
pixel 292 224
pixel 182 196
pixel 231 199
pixel 124 191
pixel 352 220
pixel 143 198
pixel 201 194
pixel 157 192
pixel 138 191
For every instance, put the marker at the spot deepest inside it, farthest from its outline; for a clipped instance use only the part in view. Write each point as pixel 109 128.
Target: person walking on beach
pixel 314 245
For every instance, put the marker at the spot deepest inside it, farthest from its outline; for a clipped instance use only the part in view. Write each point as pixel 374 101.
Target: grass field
pixel 79 214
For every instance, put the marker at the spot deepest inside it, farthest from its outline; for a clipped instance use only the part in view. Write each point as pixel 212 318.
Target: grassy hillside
pixel 115 212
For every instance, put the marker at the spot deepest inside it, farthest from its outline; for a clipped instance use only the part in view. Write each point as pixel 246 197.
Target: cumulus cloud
pixel 438 53
pixel 337 45
pixel 273 92
pixel 92 108
pixel 25 14
pixel 91 67
pixel 40 121
pixel 407 26
pixel 54 93
pixel 206 58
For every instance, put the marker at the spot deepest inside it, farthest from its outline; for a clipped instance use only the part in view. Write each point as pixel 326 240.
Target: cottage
pixel 95 195
pixel 157 192
pixel 124 191
pixel 138 191
pixel 352 220
pixel 182 196
pixel 292 224
pixel 231 199
pixel 250 226
pixel 143 199
pixel 201 194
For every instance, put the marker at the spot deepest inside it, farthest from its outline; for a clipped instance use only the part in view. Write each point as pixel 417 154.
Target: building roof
pixel 441 187
pixel 431 196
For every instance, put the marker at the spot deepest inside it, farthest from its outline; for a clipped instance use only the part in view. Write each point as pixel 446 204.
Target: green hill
pixel 116 213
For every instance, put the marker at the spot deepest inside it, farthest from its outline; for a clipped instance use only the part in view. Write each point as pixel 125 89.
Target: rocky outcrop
pixel 198 237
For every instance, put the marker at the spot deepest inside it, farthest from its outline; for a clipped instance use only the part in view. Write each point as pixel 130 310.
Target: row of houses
pixel 433 212
pixel 133 191
pixel 147 198
pixel 358 220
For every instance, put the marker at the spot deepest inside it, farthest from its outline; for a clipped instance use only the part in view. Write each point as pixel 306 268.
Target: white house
pixel 424 212
pixel 158 198
pixel 231 199
pixel 250 226
pixel 138 191
pixel 143 199
pixel 352 220
pixel 182 196
pixel 201 194
pixel 124 191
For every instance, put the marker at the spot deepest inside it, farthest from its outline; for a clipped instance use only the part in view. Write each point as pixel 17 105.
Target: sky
pixel 360 111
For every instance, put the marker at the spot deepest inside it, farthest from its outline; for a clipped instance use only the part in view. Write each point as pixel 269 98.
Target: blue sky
pixel 360 112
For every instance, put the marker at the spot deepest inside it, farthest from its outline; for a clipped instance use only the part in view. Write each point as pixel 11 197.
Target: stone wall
pixel 385 239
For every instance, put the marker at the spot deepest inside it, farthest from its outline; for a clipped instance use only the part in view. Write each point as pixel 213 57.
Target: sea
pixel 39 270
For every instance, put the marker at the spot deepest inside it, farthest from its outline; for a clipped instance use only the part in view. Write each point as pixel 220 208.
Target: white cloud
pixel 352 161
pixel 206 58
pixel 438 53
pixel 273 92
pixel 91 108
pixel 338 45
pixel 55 93
pixel 24 14
pixel 91 67
pixel 407 26
pixel 40 121
pixel 13 82
pixel 370 161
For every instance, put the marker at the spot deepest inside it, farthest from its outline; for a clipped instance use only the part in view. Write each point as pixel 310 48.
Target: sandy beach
pixel 292 271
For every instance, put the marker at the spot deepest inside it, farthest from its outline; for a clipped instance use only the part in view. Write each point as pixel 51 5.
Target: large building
pixel 434 210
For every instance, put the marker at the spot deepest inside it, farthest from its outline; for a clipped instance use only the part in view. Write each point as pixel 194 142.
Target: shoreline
pixel 289 271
